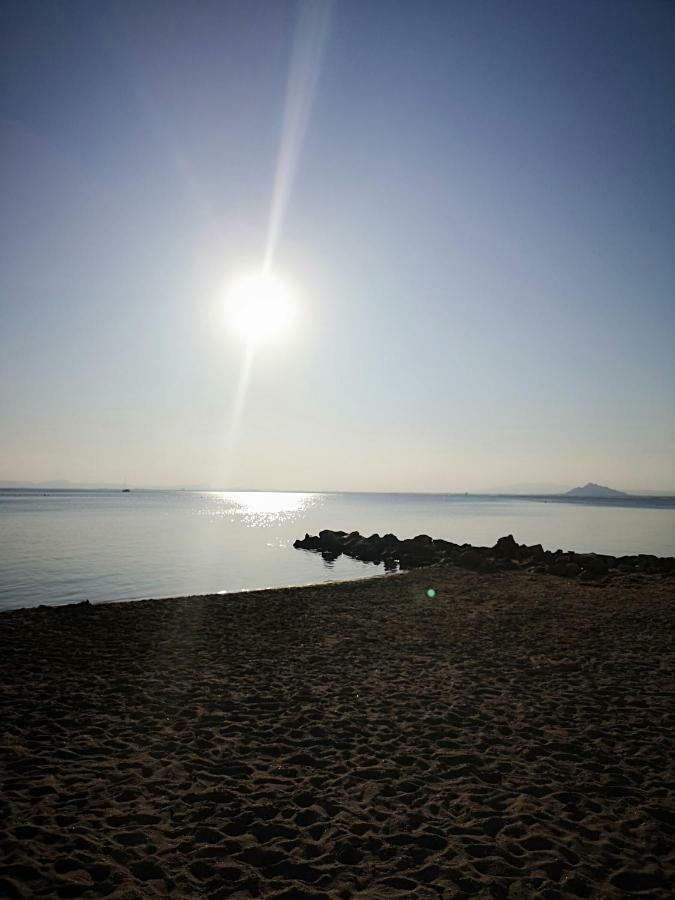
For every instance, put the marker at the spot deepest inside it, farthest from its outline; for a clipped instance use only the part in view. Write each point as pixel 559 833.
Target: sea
pixel 65 546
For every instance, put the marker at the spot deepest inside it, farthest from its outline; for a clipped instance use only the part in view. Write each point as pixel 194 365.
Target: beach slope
pixel 510 737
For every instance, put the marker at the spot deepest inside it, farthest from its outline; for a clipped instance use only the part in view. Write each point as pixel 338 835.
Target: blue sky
pixel 479 232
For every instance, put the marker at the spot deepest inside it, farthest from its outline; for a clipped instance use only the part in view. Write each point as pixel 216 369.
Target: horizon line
pixel 65 485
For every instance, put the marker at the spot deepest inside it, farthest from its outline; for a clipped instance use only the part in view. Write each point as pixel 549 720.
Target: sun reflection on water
pixel 264 507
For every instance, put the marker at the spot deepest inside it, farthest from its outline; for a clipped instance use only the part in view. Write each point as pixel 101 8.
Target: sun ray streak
pixel 237 410
pixel 308 43
pixel 310 36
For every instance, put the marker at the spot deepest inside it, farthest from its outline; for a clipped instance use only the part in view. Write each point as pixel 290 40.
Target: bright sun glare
pixel 259 307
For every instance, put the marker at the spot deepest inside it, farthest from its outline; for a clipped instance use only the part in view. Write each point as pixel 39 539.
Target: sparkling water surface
pixel 64 546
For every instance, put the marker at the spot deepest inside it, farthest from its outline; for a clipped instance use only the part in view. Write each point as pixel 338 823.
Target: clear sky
pixel 478 225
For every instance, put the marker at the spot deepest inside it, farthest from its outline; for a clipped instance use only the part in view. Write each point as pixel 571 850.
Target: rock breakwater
pixel 506 555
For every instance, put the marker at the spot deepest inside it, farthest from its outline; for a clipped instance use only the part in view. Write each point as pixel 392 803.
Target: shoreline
pixel 423 552
pixel 510 735
pixel 211 595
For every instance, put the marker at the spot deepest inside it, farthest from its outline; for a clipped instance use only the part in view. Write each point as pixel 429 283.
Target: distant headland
pixel 594 490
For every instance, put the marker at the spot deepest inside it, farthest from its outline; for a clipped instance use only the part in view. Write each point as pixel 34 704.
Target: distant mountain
pixel 594 490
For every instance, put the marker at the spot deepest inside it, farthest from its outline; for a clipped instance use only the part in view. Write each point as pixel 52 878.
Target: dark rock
pixel 536 552
pixel 309 542
pixel 365 550
pixel 645 562
pixel 507 547
pixel 440 544
pixel 415 550
pixel 330 541
pixel 592 565
pixel 350 540
pixel 376 543
pixel 412 554
pixel 470 559
pixel 423 550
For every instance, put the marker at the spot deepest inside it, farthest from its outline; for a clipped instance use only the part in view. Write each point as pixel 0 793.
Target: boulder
pixel 365 550
pixel 536 552
pixel 309 542
pixel 646 562
pixel 416 550
pixel 330 540
pixel 507 547
pixel 376 543
pixel 412 554
pixel 446 546
pixel 470 559
pixel 351 539
pixel 592 564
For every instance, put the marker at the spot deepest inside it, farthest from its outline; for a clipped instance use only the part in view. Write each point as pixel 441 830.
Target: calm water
pixel 67 546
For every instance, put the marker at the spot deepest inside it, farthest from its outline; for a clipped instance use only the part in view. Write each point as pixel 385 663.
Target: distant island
pixel 594 490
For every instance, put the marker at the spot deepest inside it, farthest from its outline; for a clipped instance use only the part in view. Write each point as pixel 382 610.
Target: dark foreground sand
pixel 511 738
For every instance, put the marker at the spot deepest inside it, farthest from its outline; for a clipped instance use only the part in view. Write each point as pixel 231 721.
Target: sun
pixel 259 307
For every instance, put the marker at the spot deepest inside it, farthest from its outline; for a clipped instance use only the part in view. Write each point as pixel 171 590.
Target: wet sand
pixel 511 737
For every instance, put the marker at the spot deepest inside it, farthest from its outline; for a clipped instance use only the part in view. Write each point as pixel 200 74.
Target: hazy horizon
pixel 513 490
pixel 472 206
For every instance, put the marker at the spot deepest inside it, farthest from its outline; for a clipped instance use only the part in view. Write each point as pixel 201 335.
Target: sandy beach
pixel 510 737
